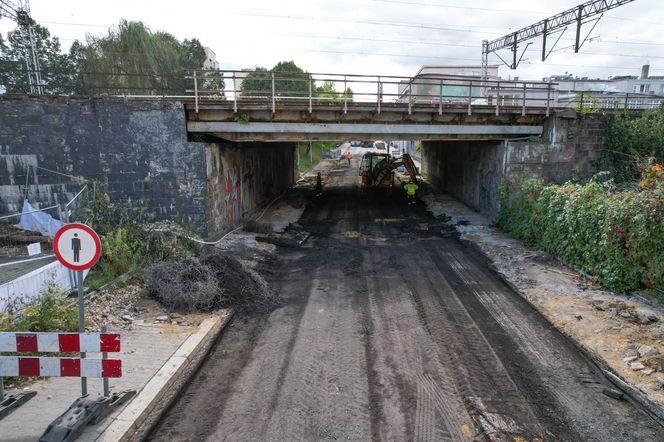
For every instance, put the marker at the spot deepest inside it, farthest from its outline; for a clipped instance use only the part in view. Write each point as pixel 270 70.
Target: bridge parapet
pixel 379 93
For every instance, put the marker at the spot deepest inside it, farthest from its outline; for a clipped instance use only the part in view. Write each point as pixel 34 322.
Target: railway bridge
pixel 214 157
pixel 282 107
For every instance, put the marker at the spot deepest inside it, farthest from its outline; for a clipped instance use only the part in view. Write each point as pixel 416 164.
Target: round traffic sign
pixel 77 246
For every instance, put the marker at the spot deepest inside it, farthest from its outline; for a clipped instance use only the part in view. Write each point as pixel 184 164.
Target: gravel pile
pixel 107 307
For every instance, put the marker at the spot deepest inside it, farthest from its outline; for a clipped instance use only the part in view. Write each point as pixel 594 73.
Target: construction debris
pixel 216 280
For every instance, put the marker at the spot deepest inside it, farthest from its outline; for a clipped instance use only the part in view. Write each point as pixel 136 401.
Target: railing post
pixel 581 102
pixel 235 91
pixel 498 98
pixel 548 98
pixel 626 101
pixel 104 355
pixel 310 96
pixel 470 97
pixel 410 97
pixel 345 97
pixel 195 92
pixel 440 99
pixel 378 96
pixel 274 99
pixel 523 105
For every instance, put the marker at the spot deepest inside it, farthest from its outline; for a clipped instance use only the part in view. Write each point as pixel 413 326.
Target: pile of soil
pixel 215 280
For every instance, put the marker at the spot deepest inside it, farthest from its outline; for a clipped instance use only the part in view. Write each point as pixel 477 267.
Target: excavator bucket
pixel 410 166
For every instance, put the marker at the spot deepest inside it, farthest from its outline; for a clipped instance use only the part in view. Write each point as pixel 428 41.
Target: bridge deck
pixel 256 120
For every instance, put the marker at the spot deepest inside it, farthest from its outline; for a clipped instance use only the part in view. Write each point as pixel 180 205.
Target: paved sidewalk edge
pixel 130 420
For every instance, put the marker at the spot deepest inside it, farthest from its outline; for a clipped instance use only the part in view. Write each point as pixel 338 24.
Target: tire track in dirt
pixel 478 374
pixel 543 353
pixel 406 370
pixel 393 334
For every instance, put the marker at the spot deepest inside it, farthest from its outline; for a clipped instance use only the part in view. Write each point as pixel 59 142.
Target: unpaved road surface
pixel 393 331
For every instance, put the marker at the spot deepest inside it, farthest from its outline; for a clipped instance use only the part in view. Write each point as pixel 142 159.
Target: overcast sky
pixel 389 37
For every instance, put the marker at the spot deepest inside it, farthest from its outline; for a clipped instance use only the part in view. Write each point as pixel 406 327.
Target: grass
pixel 307 160
pixel 98 278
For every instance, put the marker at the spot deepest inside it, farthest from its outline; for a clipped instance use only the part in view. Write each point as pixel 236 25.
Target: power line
pixel 370 22
pixel 441 43
pixel 448 6
pixel 384 54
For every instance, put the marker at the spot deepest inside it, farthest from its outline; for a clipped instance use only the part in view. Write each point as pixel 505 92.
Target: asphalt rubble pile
pixel 209 282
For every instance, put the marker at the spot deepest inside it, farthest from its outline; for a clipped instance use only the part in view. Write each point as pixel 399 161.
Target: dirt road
pixel 393 331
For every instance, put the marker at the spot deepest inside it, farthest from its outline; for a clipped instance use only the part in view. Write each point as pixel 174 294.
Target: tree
pixel 56 69
pixel 132 59
pixel 289 81
pixel 328 92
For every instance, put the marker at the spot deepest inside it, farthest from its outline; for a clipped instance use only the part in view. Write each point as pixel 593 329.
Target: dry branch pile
pixel 215 280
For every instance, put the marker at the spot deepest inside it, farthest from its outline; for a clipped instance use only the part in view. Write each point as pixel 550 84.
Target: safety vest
pixel 411 188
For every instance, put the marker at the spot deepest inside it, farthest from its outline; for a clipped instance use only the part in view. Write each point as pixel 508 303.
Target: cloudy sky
pixel 390 37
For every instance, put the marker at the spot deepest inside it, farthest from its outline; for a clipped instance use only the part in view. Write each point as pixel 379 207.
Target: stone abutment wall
pixel 473 171
pixel 140 153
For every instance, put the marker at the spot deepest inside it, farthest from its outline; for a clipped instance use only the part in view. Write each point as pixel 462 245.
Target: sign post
pixel 78 248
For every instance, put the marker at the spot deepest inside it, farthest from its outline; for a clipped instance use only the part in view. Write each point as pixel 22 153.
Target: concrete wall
pixel 472 171
pixel 243 177
pixel 139 151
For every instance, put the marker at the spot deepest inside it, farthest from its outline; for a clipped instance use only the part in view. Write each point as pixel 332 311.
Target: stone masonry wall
pixel 139 151
pixel 473 171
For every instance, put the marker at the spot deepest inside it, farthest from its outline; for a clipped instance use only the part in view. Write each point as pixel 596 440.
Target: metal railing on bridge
pixel 251 89
pixel 307 91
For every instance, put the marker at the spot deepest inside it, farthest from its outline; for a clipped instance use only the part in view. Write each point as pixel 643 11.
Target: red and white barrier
pixel 59 367
pixel 59 342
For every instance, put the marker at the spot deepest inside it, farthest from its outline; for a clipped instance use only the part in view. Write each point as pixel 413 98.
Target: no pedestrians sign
pixel 77 246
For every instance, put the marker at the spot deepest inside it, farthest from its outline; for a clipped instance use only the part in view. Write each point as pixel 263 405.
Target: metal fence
pixel 308 91
pixel 380 92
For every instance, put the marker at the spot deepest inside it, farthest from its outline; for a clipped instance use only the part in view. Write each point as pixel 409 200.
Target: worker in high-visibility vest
pixel 411 189
pixel 318 187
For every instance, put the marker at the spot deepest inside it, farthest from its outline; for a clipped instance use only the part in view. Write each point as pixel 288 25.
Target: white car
pixel 380 146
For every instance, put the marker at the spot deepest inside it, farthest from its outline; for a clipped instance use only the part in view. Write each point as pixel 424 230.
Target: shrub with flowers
pixel 616 236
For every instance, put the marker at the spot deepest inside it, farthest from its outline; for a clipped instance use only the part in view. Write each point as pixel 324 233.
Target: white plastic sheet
pixel 38 221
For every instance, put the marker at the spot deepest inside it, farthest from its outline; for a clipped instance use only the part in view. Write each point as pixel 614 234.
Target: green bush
pixel 631 140
pixel 118 257
pixel 129 238
pixel 616 236
pixel 51 312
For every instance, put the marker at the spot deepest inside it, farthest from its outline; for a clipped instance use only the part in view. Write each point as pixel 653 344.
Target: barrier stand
pixel 33 366
pixel 13 401
pixel 104 355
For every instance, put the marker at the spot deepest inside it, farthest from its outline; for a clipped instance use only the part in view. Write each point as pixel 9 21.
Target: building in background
pixel 210 59
pixel 629 91
pixel 449 84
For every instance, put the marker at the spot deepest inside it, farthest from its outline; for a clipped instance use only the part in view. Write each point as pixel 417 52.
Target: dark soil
pixel 394 330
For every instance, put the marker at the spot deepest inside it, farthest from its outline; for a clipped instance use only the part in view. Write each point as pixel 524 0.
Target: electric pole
pixel 19 12
pixel 576 16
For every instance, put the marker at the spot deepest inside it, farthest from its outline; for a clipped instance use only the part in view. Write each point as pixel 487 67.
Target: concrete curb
pixel 130 420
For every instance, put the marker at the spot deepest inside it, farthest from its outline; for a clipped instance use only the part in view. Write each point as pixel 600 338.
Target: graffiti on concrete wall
pixel 242 179
pixel 233 194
